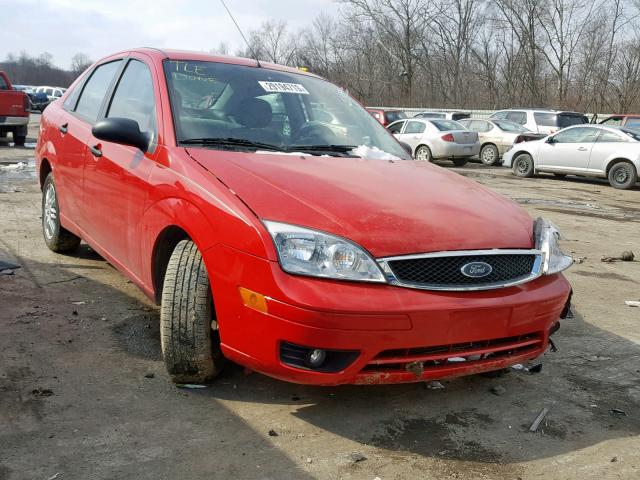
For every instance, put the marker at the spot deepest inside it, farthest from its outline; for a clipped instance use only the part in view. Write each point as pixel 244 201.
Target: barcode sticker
pixel 280 87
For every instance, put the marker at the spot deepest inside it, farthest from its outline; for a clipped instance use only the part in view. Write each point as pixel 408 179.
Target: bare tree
pixel 79 63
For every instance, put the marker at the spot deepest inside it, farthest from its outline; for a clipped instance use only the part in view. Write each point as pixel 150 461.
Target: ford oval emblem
pixel 476 269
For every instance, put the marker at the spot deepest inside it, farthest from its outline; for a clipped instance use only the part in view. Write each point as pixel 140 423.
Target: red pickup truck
pixel 14 111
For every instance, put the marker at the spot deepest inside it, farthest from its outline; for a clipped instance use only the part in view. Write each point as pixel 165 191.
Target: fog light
pixel 316 357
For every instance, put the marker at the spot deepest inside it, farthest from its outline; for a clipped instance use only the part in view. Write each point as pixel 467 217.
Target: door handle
pixel 582 149
pixel 64 128
pixel 95 150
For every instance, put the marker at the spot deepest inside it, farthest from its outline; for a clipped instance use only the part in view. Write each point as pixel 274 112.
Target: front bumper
pixel 507 157
pixel 400 334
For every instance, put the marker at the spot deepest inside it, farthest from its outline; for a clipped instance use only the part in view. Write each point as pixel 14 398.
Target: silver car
pixel 432 139
pixel 589 150
pixel 498 136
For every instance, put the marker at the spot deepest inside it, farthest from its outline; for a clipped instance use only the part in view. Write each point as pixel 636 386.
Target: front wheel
pixel 623 175
pixel 460 162
pixel 523 165
pixel 57 238
pixel 188 326
pixel 424 153
pixel 489 155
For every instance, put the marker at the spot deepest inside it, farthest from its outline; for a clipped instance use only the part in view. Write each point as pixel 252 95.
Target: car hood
pixel 388 207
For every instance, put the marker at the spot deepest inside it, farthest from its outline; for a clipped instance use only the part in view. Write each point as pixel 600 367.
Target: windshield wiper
pixel 231 142
pixel 321 148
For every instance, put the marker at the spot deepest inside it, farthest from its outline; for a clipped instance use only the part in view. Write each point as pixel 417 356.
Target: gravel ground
pixel 84 394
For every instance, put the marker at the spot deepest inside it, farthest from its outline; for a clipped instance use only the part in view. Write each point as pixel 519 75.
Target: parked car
pixel 14 111
pixel 628 121
pixel 498 136
pixel 385 117
pixel 39 100
pixel 590 150
pixel 445 115
pixel 53 93
pixel 433 139
pixel 283 247
pixel 541 120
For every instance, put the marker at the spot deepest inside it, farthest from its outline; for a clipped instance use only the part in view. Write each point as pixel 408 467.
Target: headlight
pixel 547 236
pixel 309 252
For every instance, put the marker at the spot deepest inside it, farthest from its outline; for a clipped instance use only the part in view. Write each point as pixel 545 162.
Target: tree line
pixel 474 54
pixel 25 69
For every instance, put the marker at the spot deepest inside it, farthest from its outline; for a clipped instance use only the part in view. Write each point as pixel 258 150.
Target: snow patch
pixel 372 153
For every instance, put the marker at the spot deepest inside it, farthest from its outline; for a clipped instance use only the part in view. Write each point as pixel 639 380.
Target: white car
pixel 432 139
pixel 446 115
pixel 541 120
pixel 589 150
pixel 53 93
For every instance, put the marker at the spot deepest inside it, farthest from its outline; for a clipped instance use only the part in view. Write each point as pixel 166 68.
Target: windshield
pixel 445 125
pixel 507 126
pixel 239 107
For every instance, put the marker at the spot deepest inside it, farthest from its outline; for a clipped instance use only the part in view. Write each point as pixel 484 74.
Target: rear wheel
pixel 19 140
pixel 57 238
pixel 460 162
pixel 424 153
pixel 489 154
pixel 188 327
pixel 523 165
pixel 623 175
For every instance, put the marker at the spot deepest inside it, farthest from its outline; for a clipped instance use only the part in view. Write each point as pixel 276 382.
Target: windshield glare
pixel 213 100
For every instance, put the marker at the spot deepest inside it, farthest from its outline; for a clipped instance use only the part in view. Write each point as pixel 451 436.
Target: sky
pixel 101 27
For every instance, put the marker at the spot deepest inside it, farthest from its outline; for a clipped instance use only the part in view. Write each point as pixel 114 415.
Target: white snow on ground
pixel 372 153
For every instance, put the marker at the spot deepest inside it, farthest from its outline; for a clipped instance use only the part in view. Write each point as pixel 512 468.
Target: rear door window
pixel 565 120
pixel 415 127
pixel 518 117
pixel 396 127
pixel 95 90
pixel 546 119
pixel 610 137
pixel 577 135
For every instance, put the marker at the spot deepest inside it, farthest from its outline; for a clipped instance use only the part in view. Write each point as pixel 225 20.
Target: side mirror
pixel 121 130
pixel 407 148
pixel 550 140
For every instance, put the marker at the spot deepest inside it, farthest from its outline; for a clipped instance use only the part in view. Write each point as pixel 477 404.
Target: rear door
pixel 115 176
pixel 569 150
pixel 607 144
pixel 413 133
pixel 81 109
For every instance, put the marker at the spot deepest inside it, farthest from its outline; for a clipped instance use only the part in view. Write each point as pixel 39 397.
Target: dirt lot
pixel 84 394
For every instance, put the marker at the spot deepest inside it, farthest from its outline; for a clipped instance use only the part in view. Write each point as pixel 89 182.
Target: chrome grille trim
pixel 393 280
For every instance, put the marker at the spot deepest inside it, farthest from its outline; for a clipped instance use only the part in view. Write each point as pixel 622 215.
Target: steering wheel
pixel 315 132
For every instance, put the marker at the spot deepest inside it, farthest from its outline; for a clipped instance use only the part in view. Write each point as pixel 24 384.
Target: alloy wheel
pixel 50 213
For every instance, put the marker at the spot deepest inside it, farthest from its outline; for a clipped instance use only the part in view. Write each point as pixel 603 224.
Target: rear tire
pixel 19 140
pixel 622 175
pixel 460 162
pixel 424 153
pixel 57 238
pixel 489 155
pixel 190 346
pixel 523 165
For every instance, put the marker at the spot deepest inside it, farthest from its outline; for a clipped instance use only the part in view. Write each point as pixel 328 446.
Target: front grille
pixel 461 354
pixel 445 272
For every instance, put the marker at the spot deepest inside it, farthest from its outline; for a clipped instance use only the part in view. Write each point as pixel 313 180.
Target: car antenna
pixel 253 53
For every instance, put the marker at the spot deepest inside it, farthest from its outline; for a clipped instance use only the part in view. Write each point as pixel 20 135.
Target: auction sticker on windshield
pixel 280 87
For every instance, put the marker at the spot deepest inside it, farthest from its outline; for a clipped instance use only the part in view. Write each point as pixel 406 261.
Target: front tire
pixel 460 162
pixel 424 153
pixel 190 346
pixel 523 165
pixel 57 238
pixel 489 155
pixel 622 175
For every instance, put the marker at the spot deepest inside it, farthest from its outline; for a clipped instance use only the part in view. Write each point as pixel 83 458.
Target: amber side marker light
pixel 253 300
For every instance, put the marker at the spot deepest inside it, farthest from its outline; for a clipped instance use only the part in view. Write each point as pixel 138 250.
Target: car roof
pixel 173 54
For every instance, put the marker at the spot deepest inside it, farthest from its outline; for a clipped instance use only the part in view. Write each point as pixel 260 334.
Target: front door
pixel 568 150
pixel 412 134
pixel 115 176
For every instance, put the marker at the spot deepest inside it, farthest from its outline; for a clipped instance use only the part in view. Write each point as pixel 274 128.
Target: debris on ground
pixel 616 412
pixel 614 459
pixel 579 260
pixel 523 368
pixel 273 433
pixel 309 460
pixel 149 375
pixel 498 390
pixel 78 303
pixel 626 256
pixel 7 268
pixel 53 477
pixel 190 385
pixel 632 303
pixel 596 358
pixel 357 457
pixel 536 423
pixel 41 392
pixel 434 385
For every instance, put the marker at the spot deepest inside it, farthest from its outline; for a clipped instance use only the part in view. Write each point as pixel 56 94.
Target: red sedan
pixel 279 225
